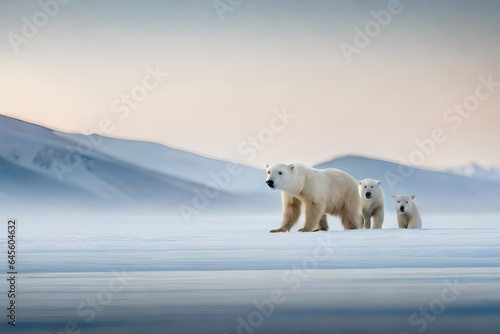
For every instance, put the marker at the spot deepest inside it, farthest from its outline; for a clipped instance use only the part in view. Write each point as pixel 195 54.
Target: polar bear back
pixel 331 186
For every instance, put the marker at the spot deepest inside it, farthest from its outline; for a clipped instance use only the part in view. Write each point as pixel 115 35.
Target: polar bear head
pixel 403 203
pixel 284 177
pixel 369 188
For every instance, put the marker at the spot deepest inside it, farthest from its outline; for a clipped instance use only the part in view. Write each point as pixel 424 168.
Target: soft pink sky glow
pixel 225 78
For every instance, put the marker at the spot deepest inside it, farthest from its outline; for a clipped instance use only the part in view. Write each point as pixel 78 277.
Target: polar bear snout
pixel 270 183
pixel 368 195
pixel 402 208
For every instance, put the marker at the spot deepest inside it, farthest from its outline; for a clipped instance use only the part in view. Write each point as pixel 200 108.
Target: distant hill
pixel 435 191
pixel 41 169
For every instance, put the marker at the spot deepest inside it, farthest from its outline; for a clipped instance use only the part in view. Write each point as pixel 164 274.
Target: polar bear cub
pixel 407 211
pixel 372 203
pixel 321 191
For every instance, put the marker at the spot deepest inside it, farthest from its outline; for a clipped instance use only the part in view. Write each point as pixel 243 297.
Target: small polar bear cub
pixel 372 203
pixel 407 211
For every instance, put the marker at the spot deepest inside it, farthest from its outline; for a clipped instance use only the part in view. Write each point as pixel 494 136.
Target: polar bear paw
pixel 278 230
pixel 307 230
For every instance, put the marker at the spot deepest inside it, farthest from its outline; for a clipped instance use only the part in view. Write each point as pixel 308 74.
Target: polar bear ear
pixel 267 166
pixel 393 196
pixel 378 182
pixel 412 196
pixel 292 167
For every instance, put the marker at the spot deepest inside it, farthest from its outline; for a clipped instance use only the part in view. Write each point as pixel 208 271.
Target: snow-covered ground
pixel 134 262
pixel 224 274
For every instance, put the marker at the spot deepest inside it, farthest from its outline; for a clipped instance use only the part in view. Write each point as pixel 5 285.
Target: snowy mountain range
pixel 435 191
pixel 475 171
pixel 44 169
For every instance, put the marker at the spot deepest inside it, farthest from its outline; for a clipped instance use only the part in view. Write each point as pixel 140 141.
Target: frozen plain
pixel 224 274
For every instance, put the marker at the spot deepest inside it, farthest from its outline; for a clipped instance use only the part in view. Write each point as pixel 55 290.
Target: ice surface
pixel 208 276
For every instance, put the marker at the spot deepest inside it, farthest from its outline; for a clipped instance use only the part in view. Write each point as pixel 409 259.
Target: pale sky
pixel 87 63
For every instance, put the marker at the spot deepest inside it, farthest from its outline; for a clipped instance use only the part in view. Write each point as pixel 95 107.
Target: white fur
pixel 321 191
pixel 372 203
pixel 407 211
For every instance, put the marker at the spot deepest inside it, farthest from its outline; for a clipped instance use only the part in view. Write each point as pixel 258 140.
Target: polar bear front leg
pixel 291 213
pixel 314 212
pixel 366 221
pixel 416 222
pixel 378 218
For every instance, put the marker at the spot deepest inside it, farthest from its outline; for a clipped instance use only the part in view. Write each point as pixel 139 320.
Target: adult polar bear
pixel 322 191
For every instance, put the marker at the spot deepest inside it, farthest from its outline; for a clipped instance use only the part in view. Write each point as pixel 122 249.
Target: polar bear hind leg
pixel 351 219
pixel 323 224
